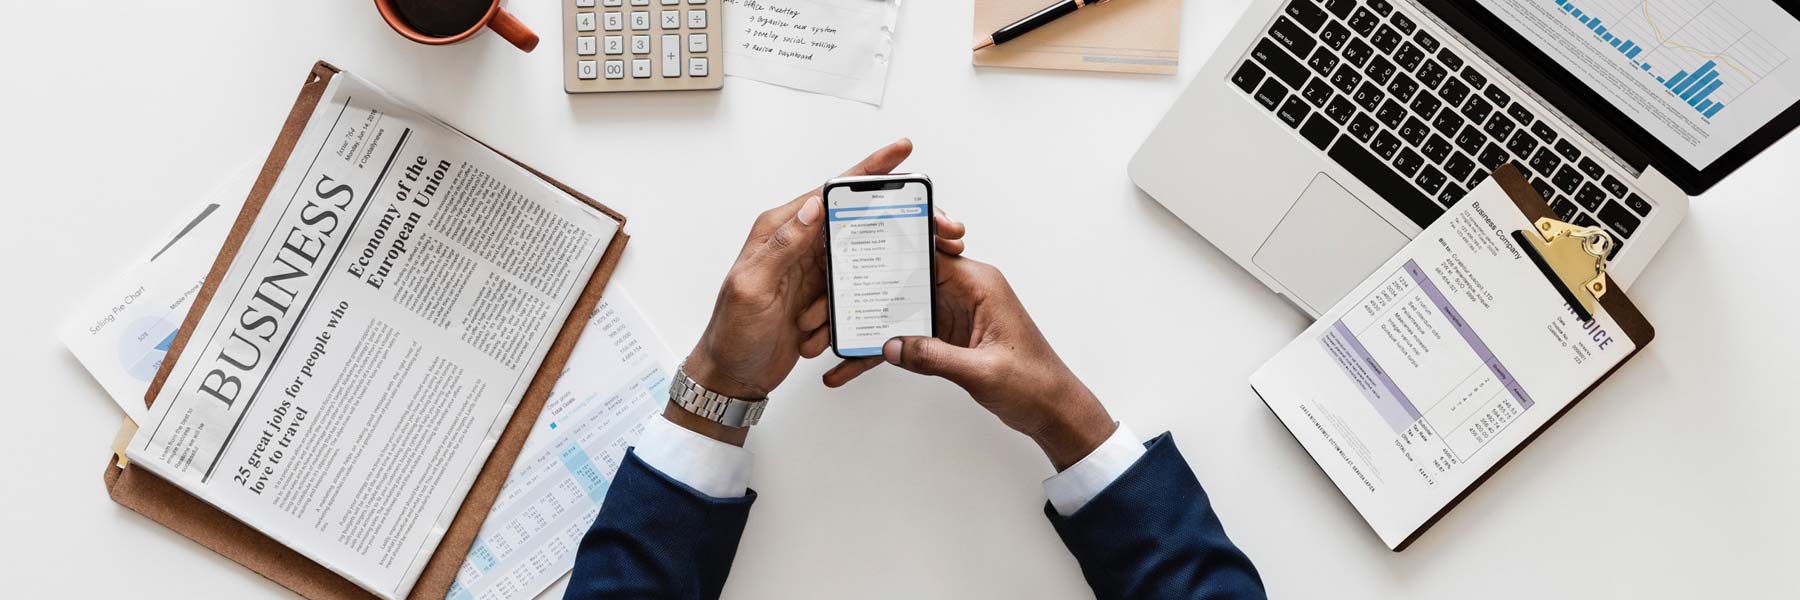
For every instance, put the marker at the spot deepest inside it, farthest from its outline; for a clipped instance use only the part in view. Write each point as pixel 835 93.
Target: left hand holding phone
pixel 771 308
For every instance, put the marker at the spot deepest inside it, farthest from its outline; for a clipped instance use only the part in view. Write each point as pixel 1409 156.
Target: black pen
pixel 1036 20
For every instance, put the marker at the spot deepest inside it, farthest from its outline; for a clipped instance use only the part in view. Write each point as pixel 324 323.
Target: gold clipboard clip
pixel 1574 258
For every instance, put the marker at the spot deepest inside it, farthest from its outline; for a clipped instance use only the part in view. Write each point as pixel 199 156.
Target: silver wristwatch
pixel 713 406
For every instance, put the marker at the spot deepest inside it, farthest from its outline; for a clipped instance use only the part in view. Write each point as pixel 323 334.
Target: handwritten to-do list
pixel 835 47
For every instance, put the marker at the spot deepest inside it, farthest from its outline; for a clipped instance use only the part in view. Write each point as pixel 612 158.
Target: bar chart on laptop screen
pixel 1697 50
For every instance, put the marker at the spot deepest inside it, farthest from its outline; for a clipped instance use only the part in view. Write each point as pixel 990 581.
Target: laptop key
pixel 1340 109
pixel 1341 8
pixel 1319 131
pixel 1479 176
pixel 1567 149
pixel 1425 104
pixel 1592 168
pixel 1247 76
pixel 1451 61
pixel 1477 109
pixel 1496 95
pixel 1432 74
pixel 1522 143
pixel 1519 113
pixel 1408 162
pixel 1368 96
pixel 1363 127
pixel 1382 180
pixel 1381 7
pixel 1385 145
pixel 1402 87
pixel 1459 166
pixel 1293 112
pixel 1637 204
pixel 1470 139
pixel 1380 70
pixel 1566 179
pixel 1590 197
pixel 1543 188
pixel 1334 35
pixel 1454 92
pixel 1430 44
pixel 1278 62
pixel 1307 14
pixel 1358 53
pixel 1345 79
pixel 1491 157
pixel 1545 162
pixel 1414 131
pixel 1564 209
pixel 1322 61
pixel 1364 22
pixel 1583 220
pixel 1475 78
pixel 1450 194
pixel 1500 127
pixel 1613 186
pixel 1622 221
pixel 1431 179
pixel 1292 37
pixel 1403 23
pixel 1437 149
pixel 1391 113
pixel 1543 131
pixel 1270 94
pixel 1317 92
pixel 1409 56
pixel 1386 39
pixel 1447 122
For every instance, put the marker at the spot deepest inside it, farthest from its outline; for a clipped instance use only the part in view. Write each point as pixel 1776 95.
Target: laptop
pixel 1324 134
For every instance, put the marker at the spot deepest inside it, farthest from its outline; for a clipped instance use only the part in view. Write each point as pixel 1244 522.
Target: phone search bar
pixel 903 211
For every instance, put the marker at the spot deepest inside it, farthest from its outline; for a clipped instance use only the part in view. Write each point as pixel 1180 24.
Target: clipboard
pixel 169 505
pixel 1632 324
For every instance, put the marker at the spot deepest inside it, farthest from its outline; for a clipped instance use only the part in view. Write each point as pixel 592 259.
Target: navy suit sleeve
pixel 657 538
pixel 1153 534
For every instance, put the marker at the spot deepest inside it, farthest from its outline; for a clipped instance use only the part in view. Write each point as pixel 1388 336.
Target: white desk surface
pixel 1677 479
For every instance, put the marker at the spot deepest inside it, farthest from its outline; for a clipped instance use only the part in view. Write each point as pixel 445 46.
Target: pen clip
pixel 1573 258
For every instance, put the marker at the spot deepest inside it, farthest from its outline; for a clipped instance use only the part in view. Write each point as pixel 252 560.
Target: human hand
pixel 988 345
pixel 771 308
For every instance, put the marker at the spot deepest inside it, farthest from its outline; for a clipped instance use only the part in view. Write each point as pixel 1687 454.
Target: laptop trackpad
pixel 1328 242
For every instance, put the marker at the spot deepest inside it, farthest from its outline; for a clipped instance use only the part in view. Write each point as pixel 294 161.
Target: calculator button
pixel 697 19
pixel 671 2
pixel 614 3
pixel 696 2
pixel 640 21
pixel 586 69
pixel 584 45
pixel 696 67
pixel 640 2
pixel 584 3
pixel 615 69
pixel 671 56
pixel 671 19
pixel 640 67
pixel 640 44
pixel 584 21
pixel 615 44
pixel 697 42
pixel 612 22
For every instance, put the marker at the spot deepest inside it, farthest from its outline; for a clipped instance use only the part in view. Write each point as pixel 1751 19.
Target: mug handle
pixel 513 30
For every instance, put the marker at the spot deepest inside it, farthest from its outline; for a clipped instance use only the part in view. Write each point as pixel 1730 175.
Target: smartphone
pixel 880 269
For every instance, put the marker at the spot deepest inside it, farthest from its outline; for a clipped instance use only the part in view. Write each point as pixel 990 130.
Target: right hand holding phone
pixel 988 345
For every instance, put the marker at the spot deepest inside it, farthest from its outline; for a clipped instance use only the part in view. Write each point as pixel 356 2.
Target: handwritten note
pixel 835 47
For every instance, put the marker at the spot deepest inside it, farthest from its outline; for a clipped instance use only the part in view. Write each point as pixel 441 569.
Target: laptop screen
pixel 1699 75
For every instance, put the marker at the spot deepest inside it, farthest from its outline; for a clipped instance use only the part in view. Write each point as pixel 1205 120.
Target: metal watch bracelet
pixel 711 405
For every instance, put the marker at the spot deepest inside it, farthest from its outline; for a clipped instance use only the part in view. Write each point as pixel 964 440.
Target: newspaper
pixel 372 337
pixel 618 378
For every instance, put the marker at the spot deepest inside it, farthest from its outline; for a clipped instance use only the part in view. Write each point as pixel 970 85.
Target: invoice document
pixel 1434 369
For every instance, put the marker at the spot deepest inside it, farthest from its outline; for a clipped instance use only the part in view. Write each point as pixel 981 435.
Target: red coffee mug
pixel 497 18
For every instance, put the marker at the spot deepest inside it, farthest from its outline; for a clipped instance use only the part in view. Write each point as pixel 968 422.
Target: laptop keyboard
pixel 1414 120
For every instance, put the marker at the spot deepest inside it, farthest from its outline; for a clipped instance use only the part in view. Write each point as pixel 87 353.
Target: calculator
pixel 641 45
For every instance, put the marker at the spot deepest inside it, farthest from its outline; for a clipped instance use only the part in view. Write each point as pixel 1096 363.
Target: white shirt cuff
pixel 1075 486
pixel 712 467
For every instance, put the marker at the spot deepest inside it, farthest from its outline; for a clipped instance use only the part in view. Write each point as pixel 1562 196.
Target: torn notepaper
pixel 835 47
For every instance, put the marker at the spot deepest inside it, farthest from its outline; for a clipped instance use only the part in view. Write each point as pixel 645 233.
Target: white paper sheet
pixel 123 329
pixel 616 378
pixel 834 47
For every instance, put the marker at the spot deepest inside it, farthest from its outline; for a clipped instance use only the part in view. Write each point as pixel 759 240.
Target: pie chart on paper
pixel 146 341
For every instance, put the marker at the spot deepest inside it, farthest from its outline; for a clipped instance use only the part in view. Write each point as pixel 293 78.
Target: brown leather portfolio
pixel 167 504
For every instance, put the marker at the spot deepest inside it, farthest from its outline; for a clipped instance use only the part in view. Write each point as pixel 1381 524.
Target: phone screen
pixel 880 239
